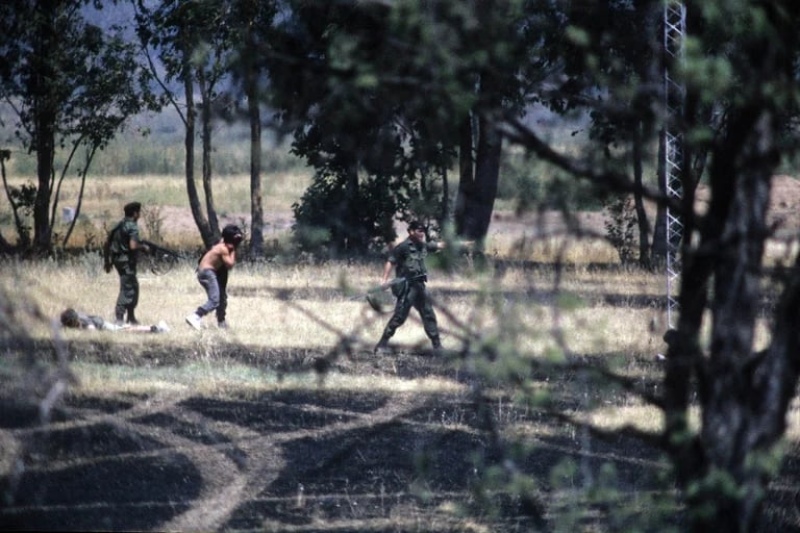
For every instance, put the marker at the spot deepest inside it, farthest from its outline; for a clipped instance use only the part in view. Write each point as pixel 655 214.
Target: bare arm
pixel 136 244
pixel 220 255
pixel 387 270
pixel 229 256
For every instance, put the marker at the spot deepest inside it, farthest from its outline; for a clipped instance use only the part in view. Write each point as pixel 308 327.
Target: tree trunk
pixel 466 175
pixel 444 212
pixel 743 396
pixel 208 189
pixel 641 214
pixel 46 113
pixel 351 237
pixel 487 174
pixel 5 246
pixel 256 202
pixel 477 199
pixel 191 189
pixel 731 406
pixel 658 250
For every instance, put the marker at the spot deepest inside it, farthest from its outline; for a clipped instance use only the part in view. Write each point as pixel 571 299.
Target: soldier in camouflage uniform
pixel 120 252
pixel 408 258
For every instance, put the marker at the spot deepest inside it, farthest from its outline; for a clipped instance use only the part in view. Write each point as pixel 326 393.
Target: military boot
pixel 437 346
pixel 382 348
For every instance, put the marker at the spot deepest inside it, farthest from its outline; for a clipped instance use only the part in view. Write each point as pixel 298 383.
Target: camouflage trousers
pixel 128 297
pixel 414 295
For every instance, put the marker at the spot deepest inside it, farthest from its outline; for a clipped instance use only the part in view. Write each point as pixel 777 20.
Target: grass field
pixel 288 422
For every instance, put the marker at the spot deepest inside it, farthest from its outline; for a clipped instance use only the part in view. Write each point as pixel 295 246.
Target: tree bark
pixel 477 193
pixel 466 175
pixel 743 396
pixel 641 214
pixel 658 250
pixel 191 188
pixel 205 126
pixel 45 112
pixel 256 201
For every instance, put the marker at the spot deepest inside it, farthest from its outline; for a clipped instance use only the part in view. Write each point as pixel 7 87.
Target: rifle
pixel 161 259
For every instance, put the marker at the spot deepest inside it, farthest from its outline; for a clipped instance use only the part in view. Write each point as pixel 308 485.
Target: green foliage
pixel 23 201
pixel 74 85
pixel 330 222
pixel 531 184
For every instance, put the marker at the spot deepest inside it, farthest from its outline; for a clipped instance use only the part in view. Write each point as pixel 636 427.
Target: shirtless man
pixel 212 273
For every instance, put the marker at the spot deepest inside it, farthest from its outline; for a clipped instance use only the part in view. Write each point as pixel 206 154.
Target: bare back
pixel 220 256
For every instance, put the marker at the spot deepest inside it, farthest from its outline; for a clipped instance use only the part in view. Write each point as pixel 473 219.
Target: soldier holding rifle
pixel 120 252
pixel 408 259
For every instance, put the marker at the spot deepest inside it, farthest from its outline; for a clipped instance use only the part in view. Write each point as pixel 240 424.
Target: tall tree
pixel 323 69
pixel 72 84
pixel 253 21
pixel 192 41
pixel 743 54
pixel 366 67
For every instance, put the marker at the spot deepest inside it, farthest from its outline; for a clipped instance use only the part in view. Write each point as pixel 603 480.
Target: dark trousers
pixel 128 297
pixel 415 295
pixel 216 286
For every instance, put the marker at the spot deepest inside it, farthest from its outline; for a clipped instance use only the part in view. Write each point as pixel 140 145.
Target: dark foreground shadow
pixel 323 460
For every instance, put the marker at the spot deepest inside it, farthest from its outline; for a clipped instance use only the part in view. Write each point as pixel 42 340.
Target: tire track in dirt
pixel 214 511
pixel 233 462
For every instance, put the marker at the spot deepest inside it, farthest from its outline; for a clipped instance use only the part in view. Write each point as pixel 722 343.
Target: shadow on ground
pixel 309 460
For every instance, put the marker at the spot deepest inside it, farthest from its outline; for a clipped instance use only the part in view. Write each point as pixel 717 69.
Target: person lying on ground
pixel 73 319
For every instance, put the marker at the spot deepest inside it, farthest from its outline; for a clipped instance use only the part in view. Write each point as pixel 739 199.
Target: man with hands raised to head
pixel 212 273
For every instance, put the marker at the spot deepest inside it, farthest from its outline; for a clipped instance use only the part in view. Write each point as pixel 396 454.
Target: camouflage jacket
pixel 118 244
pixel 408 257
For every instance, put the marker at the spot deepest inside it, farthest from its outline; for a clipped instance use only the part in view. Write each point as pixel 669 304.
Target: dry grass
pixel 310 307
pixel 164 198
pixel 601 314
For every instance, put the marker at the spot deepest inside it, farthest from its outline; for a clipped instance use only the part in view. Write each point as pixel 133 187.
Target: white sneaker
pixel 162 327
pixel 194 321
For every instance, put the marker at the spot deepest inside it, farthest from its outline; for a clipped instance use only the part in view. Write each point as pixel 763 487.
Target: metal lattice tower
pixel 674 30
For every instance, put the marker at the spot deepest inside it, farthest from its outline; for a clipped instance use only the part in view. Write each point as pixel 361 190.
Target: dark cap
pixel 415 225
pixel 132 208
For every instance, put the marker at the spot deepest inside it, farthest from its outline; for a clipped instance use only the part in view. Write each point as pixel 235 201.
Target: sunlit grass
pixel 163 197
pixel 217 378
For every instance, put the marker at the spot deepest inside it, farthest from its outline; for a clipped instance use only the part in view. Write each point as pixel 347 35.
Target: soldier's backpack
pixel 111 248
